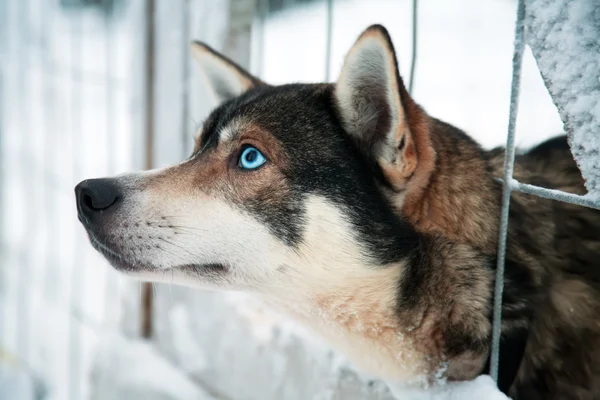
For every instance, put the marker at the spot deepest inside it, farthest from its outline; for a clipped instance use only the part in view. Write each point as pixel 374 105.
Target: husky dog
pixel 374 224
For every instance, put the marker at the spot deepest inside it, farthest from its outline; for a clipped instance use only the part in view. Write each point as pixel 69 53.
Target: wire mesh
pixel 509 160
pixel 329 40
pixel 413 60
pixel 584 201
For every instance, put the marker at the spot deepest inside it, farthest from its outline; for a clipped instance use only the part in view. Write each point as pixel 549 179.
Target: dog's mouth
pixel 117 260
pixel 123 264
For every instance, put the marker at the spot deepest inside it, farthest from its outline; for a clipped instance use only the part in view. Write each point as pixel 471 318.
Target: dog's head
pixel 300 193
pixel 285 184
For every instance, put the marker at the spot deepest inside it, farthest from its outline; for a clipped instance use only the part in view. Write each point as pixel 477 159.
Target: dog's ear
pixel 226 78
pixel 376 109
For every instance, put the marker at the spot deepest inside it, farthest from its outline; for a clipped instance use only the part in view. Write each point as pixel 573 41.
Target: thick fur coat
pixel 351 209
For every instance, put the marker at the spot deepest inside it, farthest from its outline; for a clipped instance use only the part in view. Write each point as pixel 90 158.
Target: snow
pixel 189 355
pixel 16 383
pixel 132 369
pixel 248 351
pixel 482 387
pixel 564 36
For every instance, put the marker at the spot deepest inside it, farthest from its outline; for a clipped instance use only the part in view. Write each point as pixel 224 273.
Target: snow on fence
pixel 565 39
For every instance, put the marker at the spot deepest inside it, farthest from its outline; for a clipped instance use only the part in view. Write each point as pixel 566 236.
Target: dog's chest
pixel 369 337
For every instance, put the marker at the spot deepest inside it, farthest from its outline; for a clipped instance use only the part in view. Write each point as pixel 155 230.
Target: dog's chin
pixel 118 262
pixel 122 264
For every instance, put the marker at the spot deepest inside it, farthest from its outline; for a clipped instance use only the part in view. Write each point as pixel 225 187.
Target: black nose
pixel 95 195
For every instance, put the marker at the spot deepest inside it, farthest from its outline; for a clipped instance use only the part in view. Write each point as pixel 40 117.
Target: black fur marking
pixel 458 340
pixel 555 143
pixel 517 303
pixel 518 295
pixel 210 132
pixel 323 160
pixel 284 217
pixel 417 273
pixel 512 349
pixel 402 143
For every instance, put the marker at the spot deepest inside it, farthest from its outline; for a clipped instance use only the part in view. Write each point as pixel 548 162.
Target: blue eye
pixel 251 158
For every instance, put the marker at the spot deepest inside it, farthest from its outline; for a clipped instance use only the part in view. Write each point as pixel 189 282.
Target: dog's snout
pixel 95 195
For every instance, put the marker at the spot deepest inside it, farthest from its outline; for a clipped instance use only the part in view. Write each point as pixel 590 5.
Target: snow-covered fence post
pixel 564 36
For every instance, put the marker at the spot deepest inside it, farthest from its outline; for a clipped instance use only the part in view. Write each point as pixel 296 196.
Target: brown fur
pixel 445 185
pixel 557 248
pixel 211 175
pixel 402 317
pixel 456 214
pixel 451 313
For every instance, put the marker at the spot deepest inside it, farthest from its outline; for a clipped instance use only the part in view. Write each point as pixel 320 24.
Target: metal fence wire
pixel 510 185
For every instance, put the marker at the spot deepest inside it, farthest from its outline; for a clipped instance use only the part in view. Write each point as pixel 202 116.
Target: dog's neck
pixel 459 195
pixel 359 318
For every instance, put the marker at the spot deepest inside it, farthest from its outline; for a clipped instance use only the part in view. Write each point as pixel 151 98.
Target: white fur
pixel 326 282
pixel 230 130
pixel 210 231
pixel 215 231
